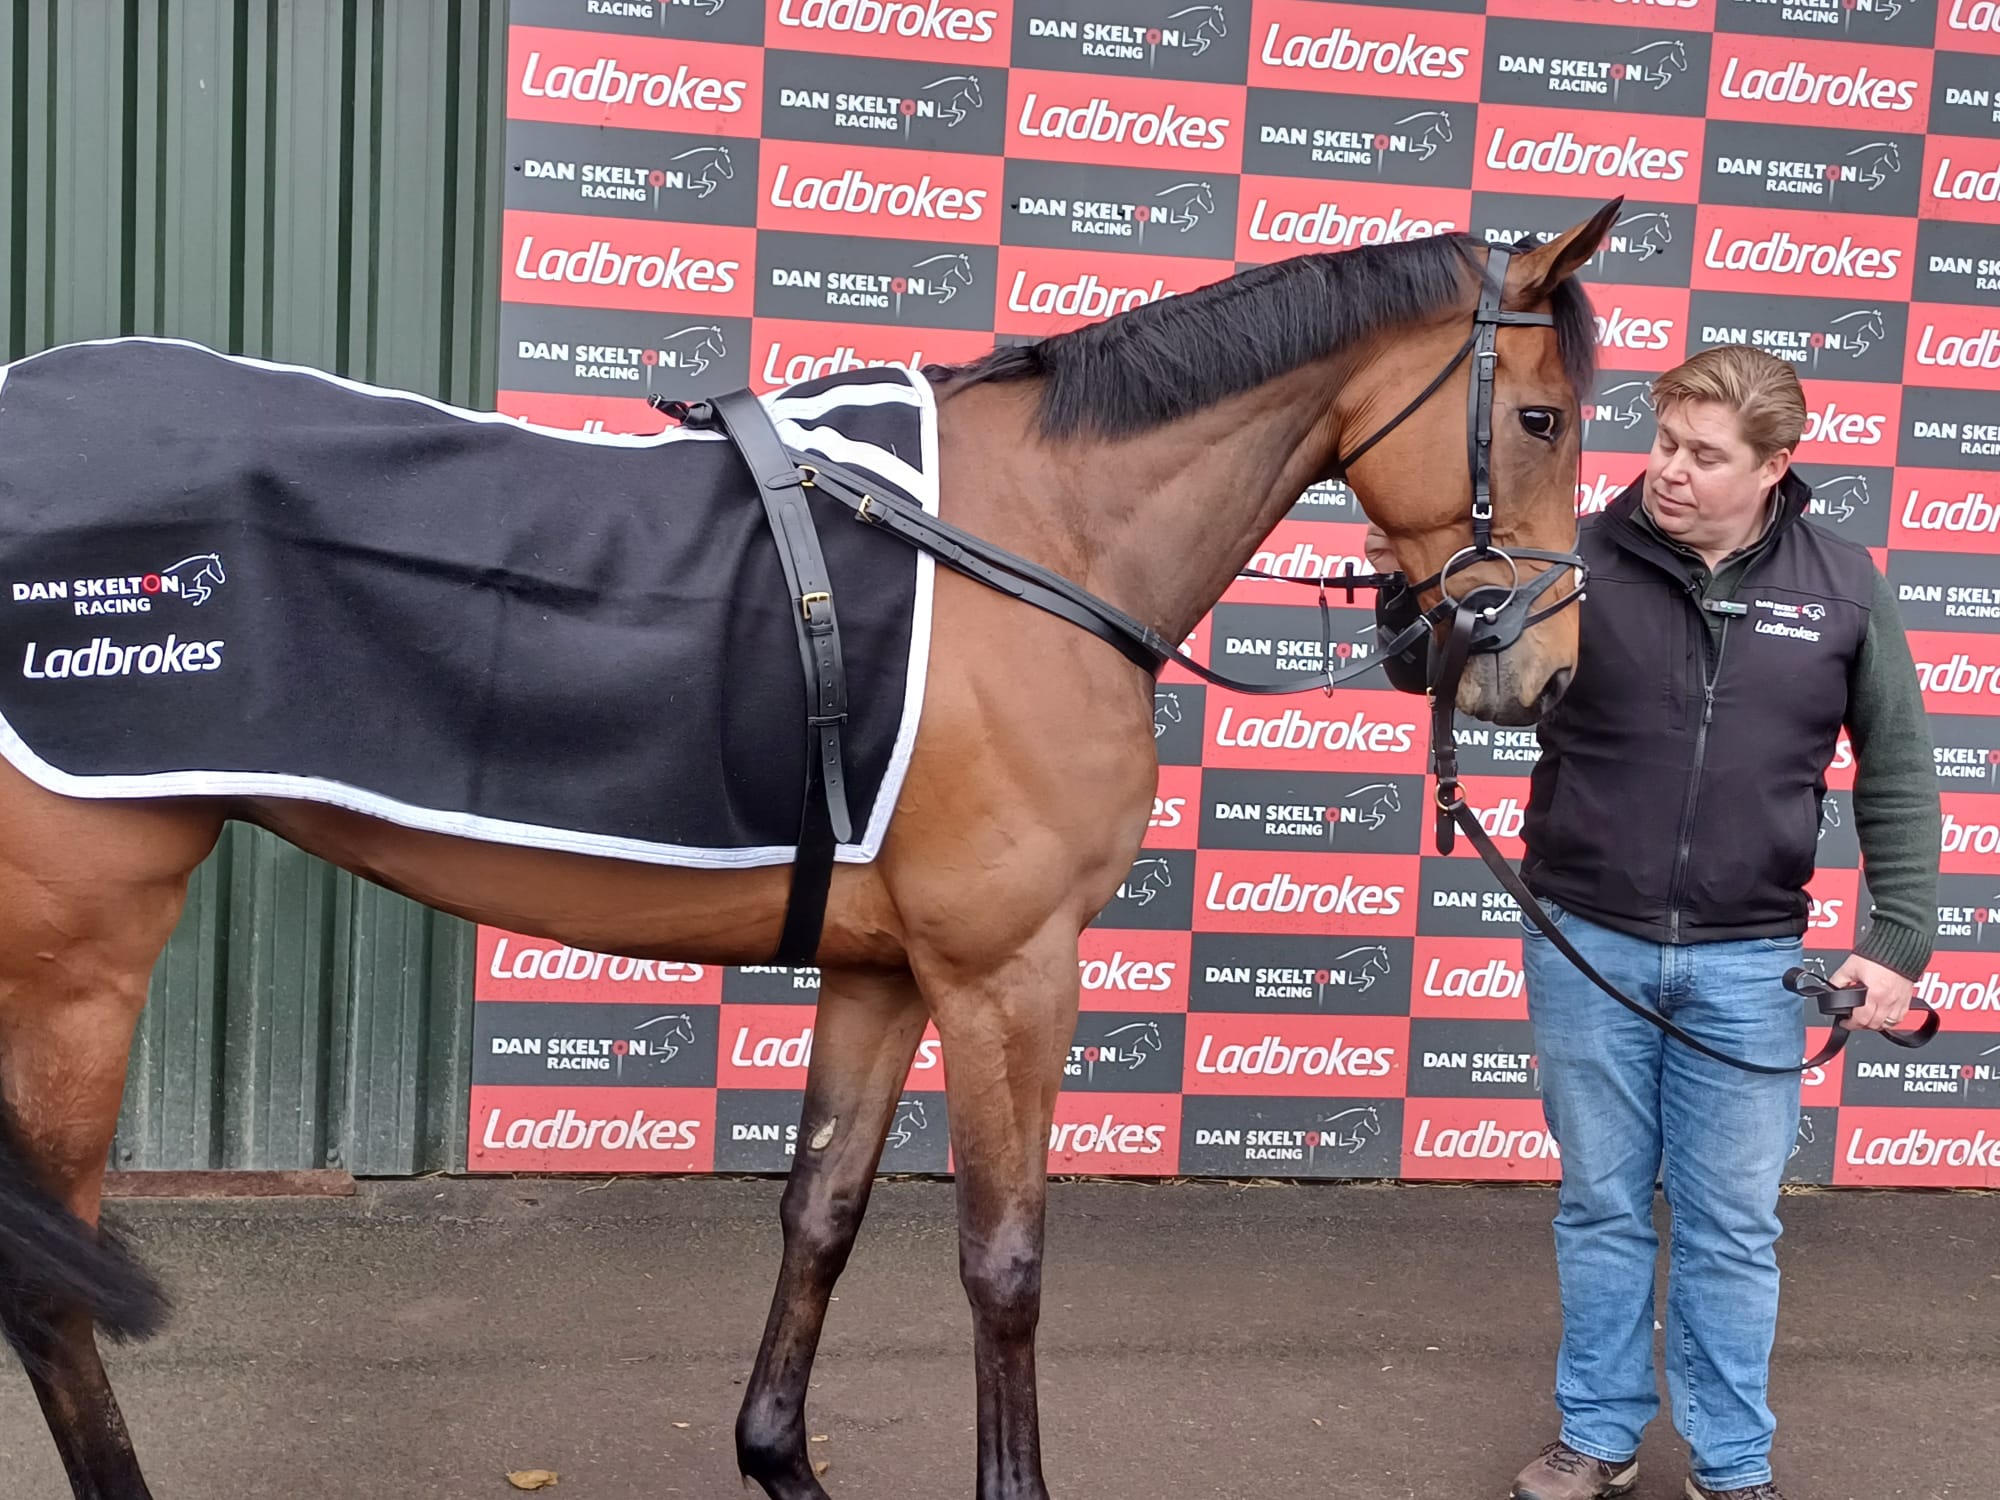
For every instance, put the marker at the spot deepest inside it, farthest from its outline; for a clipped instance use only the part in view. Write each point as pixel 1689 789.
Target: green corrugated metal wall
pixel 316 181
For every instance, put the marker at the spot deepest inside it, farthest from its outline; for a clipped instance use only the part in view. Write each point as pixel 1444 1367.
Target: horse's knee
pixel 1003 1283
pixel 820 1223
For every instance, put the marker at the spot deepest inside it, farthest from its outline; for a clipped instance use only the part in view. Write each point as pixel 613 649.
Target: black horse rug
pixel 228 577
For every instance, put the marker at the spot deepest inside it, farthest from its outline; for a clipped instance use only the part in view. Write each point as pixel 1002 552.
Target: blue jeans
pixel 1621 1097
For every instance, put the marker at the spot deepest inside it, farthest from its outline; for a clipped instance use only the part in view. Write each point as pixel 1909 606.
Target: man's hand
pixel 1888 994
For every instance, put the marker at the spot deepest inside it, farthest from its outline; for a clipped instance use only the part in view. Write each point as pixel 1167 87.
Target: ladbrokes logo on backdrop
pixel 1126 122
pixel 1066 206
pixel 787 353
pixel 1771 81
pixel 1637 323
pixel 581 262
pixel 954 31
pixel 879 103
pixel 1970 25
pixel 1822 338
pixel 895 194
pixel 1960 674
pixel 1360 139
pixel 1203 40
pixel 1654 156
pixel 1479 1138
pixel 1348 49
pixel 1962 179
pixel 1595 67
pixel 1344 731
pixel 576 78
pixel 1301 1056
pixel 1284 216
pixel 1955 346
pixel 1047 291
pixel 1292 892
pixel 1783 254
pixel 1946 510
pixel 1849 422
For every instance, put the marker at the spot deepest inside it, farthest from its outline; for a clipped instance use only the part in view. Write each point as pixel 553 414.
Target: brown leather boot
pixel 1754 1492
pixel 1562 1473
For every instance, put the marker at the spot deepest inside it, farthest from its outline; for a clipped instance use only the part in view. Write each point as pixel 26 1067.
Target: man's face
pixel 1704 485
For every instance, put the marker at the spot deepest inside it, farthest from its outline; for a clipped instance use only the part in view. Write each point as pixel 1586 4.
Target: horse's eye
pixel 1540 422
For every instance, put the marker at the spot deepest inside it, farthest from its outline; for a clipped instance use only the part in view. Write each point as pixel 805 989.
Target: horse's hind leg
pixel 866 1032
pixel 1006 1031
pixel 89 894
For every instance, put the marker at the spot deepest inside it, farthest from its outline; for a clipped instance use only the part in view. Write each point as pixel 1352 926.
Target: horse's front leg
pixel 864 1036
pixel 1006 1029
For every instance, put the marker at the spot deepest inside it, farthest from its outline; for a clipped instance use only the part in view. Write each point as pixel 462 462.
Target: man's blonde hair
pixel 1760 388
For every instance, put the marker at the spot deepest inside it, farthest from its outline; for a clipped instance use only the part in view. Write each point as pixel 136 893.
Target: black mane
pixel 1165 359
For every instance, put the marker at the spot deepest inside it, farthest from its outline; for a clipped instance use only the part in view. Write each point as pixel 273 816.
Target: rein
pixel 1485 619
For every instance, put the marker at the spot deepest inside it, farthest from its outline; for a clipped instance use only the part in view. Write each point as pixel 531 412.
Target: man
pixel 1672 827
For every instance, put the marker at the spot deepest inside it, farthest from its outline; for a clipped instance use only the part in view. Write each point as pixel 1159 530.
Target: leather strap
pixel 824 819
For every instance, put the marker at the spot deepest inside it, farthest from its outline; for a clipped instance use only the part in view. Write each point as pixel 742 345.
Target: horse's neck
pixel 1160 524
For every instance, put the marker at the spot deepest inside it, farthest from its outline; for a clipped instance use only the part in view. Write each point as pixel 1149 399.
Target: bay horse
pixel 1144 458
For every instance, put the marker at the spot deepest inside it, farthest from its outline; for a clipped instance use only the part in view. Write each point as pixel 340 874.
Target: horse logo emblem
pixel 710 168
pixel 1873 163
pixel 959 98
pixel 1370 805
pixel 1841 496
pixel 1127 1046
pixel 1166 710
pixel 1627 404
pixel 1205 26
pixel 1433 130
pixel 1347 1132
pixel 194 578
pixel 1183 205
pixel 676 1031
pixel 1660 63
pixel 1149 878
pixel 1373 965
pixel 691 351
pixel 1807 1135
pixel 938 278
pixel 1867 331
pixel 1646 235
pixel 910 1122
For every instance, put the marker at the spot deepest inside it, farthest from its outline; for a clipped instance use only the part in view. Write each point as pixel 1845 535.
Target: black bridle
pixel 1485 619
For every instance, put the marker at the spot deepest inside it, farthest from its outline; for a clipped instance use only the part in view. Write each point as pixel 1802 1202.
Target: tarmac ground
pixel 425 1338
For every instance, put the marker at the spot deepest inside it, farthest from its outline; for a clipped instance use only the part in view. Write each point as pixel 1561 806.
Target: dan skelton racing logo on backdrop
pixel 1595 67
pixel 1066 206
pixel 638 174
pixel 874 281
pixel 1359 139
pixel 1310 810
pixel 1945 428
pixel 1288 1136
pixel 1313 974
pixel 1821 337
pixel 926 106
pixel 703 20
pixel 584 350
pixel 1964 97
pixel 1904 23
pixel 1847 171
pixel 1650 244
pixel 1199 40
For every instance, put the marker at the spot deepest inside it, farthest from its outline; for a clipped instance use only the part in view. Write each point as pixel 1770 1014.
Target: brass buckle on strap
pixel 807 601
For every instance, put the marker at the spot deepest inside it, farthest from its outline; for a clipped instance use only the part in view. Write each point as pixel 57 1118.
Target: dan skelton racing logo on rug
pixel 193 581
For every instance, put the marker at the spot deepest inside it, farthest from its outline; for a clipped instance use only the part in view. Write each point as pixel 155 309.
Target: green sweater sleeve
pixel 1897 811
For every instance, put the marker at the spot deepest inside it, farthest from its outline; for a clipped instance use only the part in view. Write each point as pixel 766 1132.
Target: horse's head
pixel 1416 483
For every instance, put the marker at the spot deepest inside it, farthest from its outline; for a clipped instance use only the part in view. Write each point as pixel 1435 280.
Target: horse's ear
pixel 1536 273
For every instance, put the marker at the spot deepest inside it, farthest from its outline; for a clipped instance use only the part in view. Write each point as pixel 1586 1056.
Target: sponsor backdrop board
pixel 707 193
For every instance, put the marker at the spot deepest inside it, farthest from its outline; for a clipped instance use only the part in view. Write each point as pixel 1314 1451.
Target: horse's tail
pixel 52 1264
